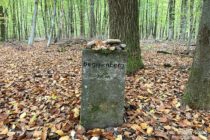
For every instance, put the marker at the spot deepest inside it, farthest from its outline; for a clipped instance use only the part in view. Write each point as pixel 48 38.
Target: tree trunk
pixel 82 28
pixel 124 24
pixel 14 19
pixel 171 19
pixel 183 25
pixel 156 19
pixel 44 17
pixel 2 24
pixel 105 20
pixel 198 88
pixel 52 28
pixel 191 23
pixel 92 19
pixel 33 28
pixel 61 21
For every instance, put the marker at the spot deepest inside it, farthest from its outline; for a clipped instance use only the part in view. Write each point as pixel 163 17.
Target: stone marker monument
pixel 103 83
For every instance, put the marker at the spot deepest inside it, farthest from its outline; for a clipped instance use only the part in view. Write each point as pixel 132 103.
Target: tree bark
pixel 2 24
pixel 191 23
pixel 52 28
pixel 33 28
pixel 124 24
pixel 156 19
pixel 198 88
pixel 171 19
pixel 82 27
pixel 183 25
pixel 92 19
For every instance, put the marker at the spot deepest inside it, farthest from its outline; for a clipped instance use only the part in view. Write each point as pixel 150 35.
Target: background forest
pixel 159 19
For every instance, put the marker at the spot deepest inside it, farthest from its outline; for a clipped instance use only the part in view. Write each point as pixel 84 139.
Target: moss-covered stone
pixel 103 83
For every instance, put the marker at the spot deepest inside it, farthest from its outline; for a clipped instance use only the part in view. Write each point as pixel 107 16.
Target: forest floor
pixel 40 96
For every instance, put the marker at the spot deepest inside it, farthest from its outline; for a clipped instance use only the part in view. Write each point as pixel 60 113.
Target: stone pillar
pixel 103 84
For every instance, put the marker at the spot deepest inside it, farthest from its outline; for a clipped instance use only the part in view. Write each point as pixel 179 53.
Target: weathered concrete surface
pixel 103 83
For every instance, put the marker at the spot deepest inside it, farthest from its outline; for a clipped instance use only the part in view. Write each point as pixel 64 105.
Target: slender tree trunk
pixel 198 88
pixel 183 26
pixel 33 27
pixel 124 24
pixel 92 19
pixel 25 26
pixel 75 20
pixel 18 20
pixel 105 19
pixel 82 28
pixel 191 23
pixel 171 19
pixel 61 21
pixel 44 16
pixel 146 18
pixel 156 19
pixel 2 24
pixel 52 28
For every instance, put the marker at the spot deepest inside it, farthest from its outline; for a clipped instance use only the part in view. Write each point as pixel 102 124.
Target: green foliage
pixel 22 10
pixel 4 3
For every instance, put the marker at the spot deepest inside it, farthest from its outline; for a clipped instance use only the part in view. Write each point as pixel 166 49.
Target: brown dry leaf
pixel 161 134
pixel 208 129
pixel 178 104
pixel 99 43
pixel 95 132
pixel 65 138
pixel 108 135
pixel 149 130
pixel 167 127
pixel 3 117
pixel 59 132
pixel 33 119
pixel 80 129
pixel 37 134
pixel 4 131
pixel 127 133
pixel 10 134
pixel 76 91
pixel 140 138
pixel 144 125
pixel 119 137
pixel 44 133
pixel 76 112
pixel 202 137
pixel 136 127
pixel 23 115
pixel 185 123
pixel 163 119
pixel 173 137
pixel 149 91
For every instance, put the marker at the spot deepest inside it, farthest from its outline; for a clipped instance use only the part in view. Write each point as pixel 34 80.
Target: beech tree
pixel 124 24
pixel 52 28
pixel 33 27
pixel 198 88
pixel 92 19
pixel 171 4
pixel 2 24
pixel 183 22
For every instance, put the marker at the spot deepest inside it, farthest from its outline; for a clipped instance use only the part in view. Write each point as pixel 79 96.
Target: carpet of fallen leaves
pixel 40 97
